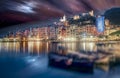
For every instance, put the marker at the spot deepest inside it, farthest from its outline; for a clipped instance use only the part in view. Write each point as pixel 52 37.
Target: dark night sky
pixel 21 11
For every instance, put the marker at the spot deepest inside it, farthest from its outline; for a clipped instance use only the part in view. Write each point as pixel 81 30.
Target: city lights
pixel 70 39
pixel 68 30
pixel 60 39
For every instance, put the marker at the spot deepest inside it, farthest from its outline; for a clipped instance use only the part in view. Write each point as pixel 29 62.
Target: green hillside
pixel 116 33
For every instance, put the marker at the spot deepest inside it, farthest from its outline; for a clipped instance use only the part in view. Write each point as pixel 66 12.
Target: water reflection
pixel 88 46
pixel 78 46
pixel 22 66
pixel 10 46
pixel 37 47
pixel 30 57
pixel 25 47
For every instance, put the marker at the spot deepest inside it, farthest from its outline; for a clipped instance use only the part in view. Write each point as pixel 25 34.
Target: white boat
pixel 98 58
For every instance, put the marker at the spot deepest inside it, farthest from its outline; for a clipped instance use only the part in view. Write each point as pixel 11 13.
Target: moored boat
pixel 99 58
pixel 71 62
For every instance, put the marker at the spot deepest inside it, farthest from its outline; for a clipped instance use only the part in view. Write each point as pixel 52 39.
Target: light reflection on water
pixel 37 47
pixel 24 47
pixel 17 58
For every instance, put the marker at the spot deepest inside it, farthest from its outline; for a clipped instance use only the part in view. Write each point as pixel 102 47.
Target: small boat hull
pixel 81 65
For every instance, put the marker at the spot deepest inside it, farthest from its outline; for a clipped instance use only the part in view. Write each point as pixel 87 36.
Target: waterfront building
pixel 91 13
pixel 76 17
pixel 63 19
pixel 75 28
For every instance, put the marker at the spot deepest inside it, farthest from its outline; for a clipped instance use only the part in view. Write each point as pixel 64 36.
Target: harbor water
pixel 30 59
